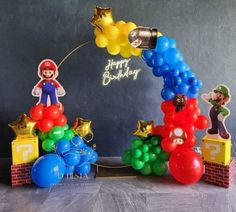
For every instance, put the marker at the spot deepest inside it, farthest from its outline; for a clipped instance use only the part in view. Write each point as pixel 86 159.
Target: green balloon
pixel 48 145
pixel 137 164
pixel 42 135
pixel 65 127
pixel 136 143
pixel 56 133
pixel 144 148
pixel 164 156
pixel 68 134
pixel 159 168
pixel 145 157
pixel 126 157
pixel 152 157
pixel 154 141
pixel 156 150
pixel 137 153
pixel 147 169
pixel 149 145
pixel 159 138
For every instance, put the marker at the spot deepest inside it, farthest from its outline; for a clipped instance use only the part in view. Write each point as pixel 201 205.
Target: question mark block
pixel 25 150
pixel 216 150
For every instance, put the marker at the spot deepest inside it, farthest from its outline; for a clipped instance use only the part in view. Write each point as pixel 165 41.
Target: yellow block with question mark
pixel 25 150
pixel 216 150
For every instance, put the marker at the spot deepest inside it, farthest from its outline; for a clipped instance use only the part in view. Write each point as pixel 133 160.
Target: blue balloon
pixel 147 54
pixel 48 170
pixel 157 72
pixel 182 88
pixel 181 66
pixel 175 72
pixel 192 81
pixel 77 142
pixel 169 81
pixel 167 94
pixel 157 60
pixel 177 81
pixel 83 169
pixel 162 44
pixel 183 75
pixel 72 158
pixel 62 146
pixel 172 43
pixel 94 157
pixel 194 89
pixel 149 63
pixel 199 84
pixel 69 170
pixel 89 151
pixel 172 56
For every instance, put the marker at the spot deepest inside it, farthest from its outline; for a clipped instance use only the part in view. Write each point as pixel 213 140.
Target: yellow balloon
pixel 113 48
pixel 111 32
pixel 101 41
pixel 119 24
pixel 134 51
pixel 159 34
pixel 97 31
pixel 123 39
pixel 125 52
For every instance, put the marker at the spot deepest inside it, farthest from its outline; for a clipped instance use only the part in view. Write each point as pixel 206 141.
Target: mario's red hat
pixel 47 64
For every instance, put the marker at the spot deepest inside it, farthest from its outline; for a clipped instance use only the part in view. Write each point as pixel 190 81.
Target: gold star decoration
pixel 82 127
pixel 23 126
pixel 144 129
pixel 102 16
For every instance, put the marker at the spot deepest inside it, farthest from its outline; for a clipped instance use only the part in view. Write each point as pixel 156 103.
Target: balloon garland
pixel 182 116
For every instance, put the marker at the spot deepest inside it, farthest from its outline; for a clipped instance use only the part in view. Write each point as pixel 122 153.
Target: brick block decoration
pixel 216 150
pixel 21 174
pixel 217 174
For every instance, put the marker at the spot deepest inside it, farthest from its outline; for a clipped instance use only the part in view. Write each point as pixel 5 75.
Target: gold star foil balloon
pixel 23 126
pixel 102 17
pixel 82 127
pixel 144 129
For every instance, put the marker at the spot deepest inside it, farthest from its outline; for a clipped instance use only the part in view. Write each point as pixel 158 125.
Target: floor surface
pixel 141 194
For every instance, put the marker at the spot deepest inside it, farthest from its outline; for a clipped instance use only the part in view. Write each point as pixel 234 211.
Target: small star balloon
pixel 23 126
pixel 82 127
pixel 102 17
pixel 144 129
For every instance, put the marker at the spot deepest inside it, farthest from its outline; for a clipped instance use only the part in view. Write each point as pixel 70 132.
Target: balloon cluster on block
pixel 113 35
pixel 147 156
pixel 69 153
pixel 167 61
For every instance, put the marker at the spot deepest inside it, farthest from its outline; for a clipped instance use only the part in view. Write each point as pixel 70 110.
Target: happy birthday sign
pixel 116 70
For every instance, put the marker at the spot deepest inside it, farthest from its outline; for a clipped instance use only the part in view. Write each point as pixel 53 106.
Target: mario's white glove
pixel 61 91
pixel 37 91
pixel 220 117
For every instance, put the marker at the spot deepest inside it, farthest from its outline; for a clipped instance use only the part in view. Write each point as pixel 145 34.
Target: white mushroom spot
pixel 178 132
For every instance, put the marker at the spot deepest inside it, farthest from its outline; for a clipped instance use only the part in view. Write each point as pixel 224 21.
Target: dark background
pixel 32 30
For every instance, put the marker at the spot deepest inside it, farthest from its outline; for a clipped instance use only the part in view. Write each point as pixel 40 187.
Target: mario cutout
pixel 48 88
pixel 218 98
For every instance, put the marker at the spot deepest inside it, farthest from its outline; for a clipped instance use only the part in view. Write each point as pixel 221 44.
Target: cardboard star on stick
pixel 144 129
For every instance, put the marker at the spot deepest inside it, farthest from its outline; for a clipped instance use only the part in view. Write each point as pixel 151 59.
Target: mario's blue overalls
pixel 48 89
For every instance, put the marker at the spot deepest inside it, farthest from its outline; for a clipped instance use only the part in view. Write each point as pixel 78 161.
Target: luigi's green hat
pixel 222 89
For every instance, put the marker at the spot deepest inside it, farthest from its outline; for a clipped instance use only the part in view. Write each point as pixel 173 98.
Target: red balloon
pixel 45 125
pixel 51 112
pixel 190 142
pixel 186 166
pixel 61 109
pixel 169 118
pixel 180 118
pixel 36 112
pixel 189 128
pixel 192 117
pixel 202 122
pixel 60 121
pixel 167 107
pixel 168 145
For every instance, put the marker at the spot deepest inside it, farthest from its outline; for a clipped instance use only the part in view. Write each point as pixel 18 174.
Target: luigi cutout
pixel 218 98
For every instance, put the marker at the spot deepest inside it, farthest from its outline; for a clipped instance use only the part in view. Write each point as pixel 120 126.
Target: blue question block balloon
pixel 63 146
pixel 72 158
pixel 83 169
pixel 48 170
